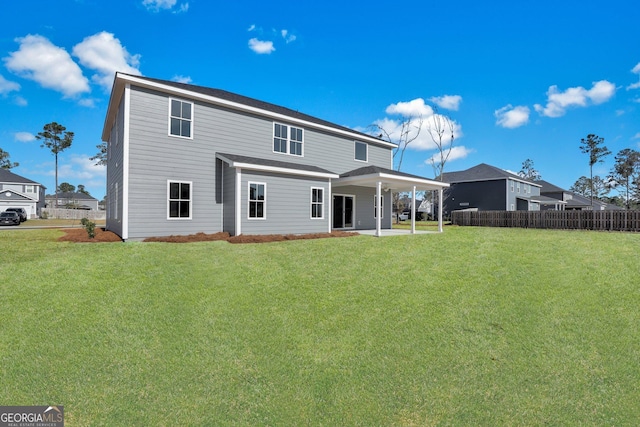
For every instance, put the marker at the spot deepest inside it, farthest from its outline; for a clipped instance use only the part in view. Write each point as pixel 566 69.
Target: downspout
pixel 413 211
pixel 238 201
pixel 378 209
pixel 440 194
pixel 329 214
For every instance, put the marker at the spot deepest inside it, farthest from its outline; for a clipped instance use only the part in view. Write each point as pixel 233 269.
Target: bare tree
pixel 410 129
pixel 442 131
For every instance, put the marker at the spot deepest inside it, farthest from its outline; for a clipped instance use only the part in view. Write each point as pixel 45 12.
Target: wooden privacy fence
pixel 566 220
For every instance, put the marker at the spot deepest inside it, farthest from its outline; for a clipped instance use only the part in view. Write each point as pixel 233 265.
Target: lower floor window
pixel 317 201
pixel 375 207
pixel 179 199
pixel 257 200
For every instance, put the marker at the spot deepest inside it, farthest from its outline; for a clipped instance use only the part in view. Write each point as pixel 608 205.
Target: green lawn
pixel 475 326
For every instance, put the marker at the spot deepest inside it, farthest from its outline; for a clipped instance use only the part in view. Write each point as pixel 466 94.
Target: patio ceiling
pixel 391 180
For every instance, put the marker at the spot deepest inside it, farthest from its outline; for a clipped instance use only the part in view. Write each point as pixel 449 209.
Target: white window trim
pixel 375 211
pixel 288 144
pixel 264 209
pixel 170 116
pixel 355 145
pixel 513 184
pixel 177 181
pixel 316 203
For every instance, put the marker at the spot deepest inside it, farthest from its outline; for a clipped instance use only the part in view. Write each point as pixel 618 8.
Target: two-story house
pixel 569 200
pixel 183 159
pixel 485 187
pixel 19 192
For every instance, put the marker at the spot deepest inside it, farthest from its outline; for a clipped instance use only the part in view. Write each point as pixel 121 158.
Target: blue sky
pixel 521 80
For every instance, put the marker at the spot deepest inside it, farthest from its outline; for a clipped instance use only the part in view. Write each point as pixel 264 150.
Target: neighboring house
pixel 19 192
pixel 570 200
pixel 484 187
pixel 183 159
pixel 72 200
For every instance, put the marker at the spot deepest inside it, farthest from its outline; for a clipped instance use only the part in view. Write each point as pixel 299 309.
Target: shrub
pixel 89 226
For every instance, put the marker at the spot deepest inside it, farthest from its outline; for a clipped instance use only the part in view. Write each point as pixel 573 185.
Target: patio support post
pixel 413 211
pixel 440 193
pixel 378 209
pixel 238 201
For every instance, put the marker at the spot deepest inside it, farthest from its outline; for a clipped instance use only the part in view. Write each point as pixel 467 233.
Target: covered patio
pixel 386 180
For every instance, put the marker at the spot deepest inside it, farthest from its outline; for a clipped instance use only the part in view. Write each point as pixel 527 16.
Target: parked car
pixel 9 218
pixel 403 216
pixel 20 211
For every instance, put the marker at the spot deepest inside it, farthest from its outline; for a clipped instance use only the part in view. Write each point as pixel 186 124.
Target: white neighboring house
pixel 19 192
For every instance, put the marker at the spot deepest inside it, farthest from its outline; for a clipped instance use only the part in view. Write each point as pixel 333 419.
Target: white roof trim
pixel 276 169
pixel 25 195
pixel 242 107
pixel 395 179
pixel 500 178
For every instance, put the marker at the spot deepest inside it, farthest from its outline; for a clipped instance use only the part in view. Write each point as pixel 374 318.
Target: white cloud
pixel 182 79
pixel 184 7
pixel 251 28
pixel 558 102
pixel 261 47
pixel 24 137
pixel 457 152
pixel 416 108
pixel 87 102
pixel 636 136
pixel 635 70
pixel 512 117
pixel 82 170
pixel 449 102
pixel 49 65
pixel 288 38
pixel 105 54
pixel 156 5
pixel 20 101
pixel 7 86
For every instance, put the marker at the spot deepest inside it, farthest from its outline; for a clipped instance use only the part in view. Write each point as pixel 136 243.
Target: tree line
pixel 624 176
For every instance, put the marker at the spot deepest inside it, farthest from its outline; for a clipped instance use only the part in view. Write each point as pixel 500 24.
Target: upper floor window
pixel 361 151
pixel 180 118
pixel 29 188
pixel 287 139
pixel 179 199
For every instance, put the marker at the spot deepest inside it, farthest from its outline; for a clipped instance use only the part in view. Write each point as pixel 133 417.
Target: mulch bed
pixel 79 235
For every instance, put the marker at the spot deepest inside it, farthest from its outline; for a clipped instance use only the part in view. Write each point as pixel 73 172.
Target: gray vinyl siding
pixel 115 169
pixel 155 157
pixel 228 131
pixel 288 204
pixel 364 218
